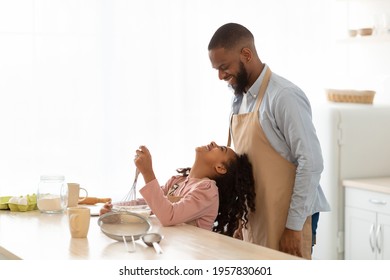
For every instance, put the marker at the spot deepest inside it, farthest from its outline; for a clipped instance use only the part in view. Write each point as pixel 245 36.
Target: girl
pixel 216 193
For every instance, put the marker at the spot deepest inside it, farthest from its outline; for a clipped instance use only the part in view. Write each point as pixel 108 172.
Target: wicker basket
pixel 350 96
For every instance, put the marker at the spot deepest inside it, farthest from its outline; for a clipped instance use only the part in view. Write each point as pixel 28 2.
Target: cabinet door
pixel 360 228
pixel 383 237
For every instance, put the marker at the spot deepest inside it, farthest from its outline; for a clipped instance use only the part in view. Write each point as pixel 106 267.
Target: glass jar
pixel 52 194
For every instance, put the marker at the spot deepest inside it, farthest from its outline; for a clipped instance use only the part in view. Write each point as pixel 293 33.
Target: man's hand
pixel 291 242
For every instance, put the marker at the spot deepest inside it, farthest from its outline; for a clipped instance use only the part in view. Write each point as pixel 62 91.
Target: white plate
pixel 95 209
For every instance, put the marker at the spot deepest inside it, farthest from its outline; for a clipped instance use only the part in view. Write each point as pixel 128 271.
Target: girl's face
pixel 215 156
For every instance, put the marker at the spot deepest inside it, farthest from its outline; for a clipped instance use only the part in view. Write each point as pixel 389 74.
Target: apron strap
pixel 262 90
pixel 229 142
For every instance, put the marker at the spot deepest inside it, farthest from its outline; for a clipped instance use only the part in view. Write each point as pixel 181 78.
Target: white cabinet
pixel 367 223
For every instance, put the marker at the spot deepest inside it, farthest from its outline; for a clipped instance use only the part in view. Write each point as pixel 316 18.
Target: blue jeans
pixel 314 224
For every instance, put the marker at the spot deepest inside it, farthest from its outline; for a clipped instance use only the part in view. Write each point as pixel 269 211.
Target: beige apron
pixel 274 179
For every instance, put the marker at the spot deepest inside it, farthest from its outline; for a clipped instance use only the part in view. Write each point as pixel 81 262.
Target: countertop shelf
pixel 381 184
pixel 385 38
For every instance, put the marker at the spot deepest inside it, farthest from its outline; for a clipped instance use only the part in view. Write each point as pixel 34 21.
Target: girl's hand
pixel 107 207
pixel 143 161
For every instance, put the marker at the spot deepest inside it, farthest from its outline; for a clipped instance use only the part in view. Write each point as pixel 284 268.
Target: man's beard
pixel 241 80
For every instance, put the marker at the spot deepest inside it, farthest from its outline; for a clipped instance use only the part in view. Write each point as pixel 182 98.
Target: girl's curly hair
pixel 236 194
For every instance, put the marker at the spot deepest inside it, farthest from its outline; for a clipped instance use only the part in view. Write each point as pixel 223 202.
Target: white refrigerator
pixel 355 141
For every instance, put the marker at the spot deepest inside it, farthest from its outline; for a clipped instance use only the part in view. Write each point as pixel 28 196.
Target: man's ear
pixel 246 55
pixel 220 168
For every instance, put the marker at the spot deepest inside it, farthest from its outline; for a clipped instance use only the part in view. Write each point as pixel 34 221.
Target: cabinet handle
pixel 378 202
pixel 378 238
pixel 371 237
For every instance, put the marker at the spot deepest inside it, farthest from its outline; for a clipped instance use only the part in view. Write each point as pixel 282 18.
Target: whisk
pixel 132 194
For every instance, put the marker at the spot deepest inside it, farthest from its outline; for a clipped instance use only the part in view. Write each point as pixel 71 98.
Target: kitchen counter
pixel 381 184
pixel 36 236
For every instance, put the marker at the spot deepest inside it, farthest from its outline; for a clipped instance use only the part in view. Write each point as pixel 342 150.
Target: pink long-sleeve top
pixel 198 204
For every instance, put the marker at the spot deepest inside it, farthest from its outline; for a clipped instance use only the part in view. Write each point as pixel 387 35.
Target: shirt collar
pixel 253 92
pixel 254 89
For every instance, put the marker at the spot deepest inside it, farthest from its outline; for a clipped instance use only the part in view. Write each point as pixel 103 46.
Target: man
pixel 272 123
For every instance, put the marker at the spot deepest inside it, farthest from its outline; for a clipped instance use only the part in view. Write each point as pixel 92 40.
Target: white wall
pixel 362 62
pixel 84 83
pixel 51 95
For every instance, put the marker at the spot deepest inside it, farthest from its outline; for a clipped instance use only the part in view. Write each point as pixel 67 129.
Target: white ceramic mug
pixel 74 194
pixel 79 218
